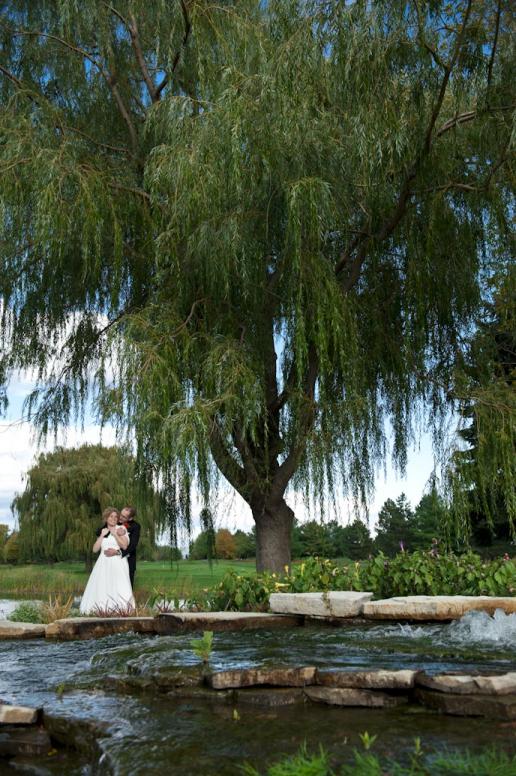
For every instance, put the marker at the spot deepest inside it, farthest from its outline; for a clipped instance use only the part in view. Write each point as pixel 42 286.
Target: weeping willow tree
pixel 253 234
pixel 65 493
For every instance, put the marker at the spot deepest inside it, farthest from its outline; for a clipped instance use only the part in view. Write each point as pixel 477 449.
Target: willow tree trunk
pixel 274 521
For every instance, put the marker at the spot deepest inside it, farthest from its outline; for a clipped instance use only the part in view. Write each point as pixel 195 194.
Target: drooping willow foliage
pixel 65 494
pixel 254 233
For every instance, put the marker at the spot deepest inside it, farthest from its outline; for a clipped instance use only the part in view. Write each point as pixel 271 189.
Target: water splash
pixel 481 628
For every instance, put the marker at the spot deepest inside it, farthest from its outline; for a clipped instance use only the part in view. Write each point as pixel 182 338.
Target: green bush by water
pixel 417 573
pixel 26 611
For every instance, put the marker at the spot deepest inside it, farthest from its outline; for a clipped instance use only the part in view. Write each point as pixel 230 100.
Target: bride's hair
pixel 108 511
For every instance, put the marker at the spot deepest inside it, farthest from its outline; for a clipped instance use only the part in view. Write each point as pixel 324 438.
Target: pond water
pixel 161 734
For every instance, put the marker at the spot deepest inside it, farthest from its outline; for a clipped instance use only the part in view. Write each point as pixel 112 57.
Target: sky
pixel 18 450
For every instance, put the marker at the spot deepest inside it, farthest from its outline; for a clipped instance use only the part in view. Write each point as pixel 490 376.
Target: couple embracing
pixel 110 586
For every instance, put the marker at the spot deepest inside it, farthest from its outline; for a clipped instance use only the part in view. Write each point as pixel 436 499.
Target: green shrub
pixel 26 611
pixel 487 763
pixel 417 573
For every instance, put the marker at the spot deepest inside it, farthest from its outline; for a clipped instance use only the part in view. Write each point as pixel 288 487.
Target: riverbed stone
pixel 175 622
pixel 265 696
pixel 73 628
pixel 335 604
pixel 344 696
pixel 490 706
pixel 21 630
pixel 435 607
pixel 80 733
pixel 17 715
pixel 275 677
pixel 31 741
pixel 381 679
pixel 467 684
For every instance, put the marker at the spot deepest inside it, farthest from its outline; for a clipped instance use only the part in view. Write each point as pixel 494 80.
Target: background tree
pixel 245 544
pixel 429 522
pixel 484 474
pixel 11 549
pixel 4 533
pixel 65 493
pixel 394 526
pixel 225 547
pixel 273 217
pixel 352 541
pixel 314 539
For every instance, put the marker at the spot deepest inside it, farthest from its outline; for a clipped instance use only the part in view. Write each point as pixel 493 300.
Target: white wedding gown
pixel 109 586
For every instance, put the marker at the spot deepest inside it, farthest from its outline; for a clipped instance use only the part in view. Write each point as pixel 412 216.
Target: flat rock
pixel 367 680
pixel 341 696
pixel 222 621
pixel 490 706
pixel 274 677
pixel 281 696
pixel 17 715
pixel 21 630
pixel 29 741
pixel 78 733
pixel 96 627
pixel 332 604
pixel 435 607
pixel 466 684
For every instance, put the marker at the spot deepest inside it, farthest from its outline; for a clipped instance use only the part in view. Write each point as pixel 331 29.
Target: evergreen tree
pixel 314 539
pixel 356 541
pixel 65 494
pixel 394 526
pixel 483 472
pixel 272 217
pixel 429 521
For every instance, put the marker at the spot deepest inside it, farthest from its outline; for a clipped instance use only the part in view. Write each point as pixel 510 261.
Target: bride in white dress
pixel 109 586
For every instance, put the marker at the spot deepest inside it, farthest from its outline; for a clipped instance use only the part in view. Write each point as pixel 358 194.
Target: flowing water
pixel 160 734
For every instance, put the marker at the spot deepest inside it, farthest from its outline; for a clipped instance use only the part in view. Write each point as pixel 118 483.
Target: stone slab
pixel 435 607
pixel 274 677
pixel 25 741
pixel 96 627
pixel 344 603
pixel 21 630
pixel 492 707
pixel 281 696
pixel 17 715
pixel 340 696
pixel 222 621
pixel 341 603
pixel 367 680
pixel 467 684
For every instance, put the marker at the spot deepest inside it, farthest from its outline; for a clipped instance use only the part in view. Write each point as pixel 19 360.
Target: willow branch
pixel 188 28
pixel 495 44
pixel 360 244
pixel 108 77
pixel 231 470
pixel 135 40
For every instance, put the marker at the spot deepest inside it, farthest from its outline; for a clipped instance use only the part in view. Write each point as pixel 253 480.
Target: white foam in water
pixel 411 631
pixel 480 627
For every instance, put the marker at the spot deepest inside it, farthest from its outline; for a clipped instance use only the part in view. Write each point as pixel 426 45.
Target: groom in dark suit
pixel 127 516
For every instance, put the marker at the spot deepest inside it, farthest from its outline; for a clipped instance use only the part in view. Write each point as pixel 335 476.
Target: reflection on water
pixel 162 734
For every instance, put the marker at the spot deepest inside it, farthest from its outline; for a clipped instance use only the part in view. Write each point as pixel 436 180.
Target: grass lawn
pixel 180 579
